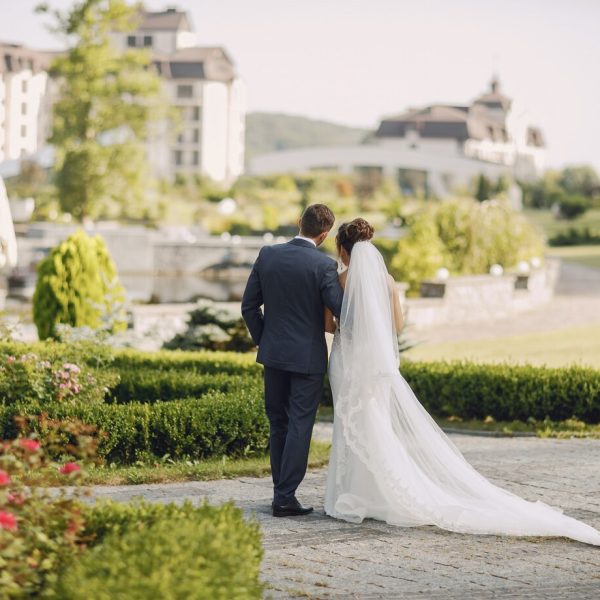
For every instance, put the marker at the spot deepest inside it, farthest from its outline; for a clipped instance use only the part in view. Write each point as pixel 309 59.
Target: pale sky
pixel 353 61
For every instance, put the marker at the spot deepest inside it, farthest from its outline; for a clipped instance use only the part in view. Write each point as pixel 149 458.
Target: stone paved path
pixel 318 557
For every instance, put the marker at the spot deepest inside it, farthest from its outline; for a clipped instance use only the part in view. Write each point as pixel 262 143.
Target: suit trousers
pixel 291 402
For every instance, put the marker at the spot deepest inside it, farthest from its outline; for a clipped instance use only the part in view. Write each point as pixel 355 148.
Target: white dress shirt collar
pixel 300 237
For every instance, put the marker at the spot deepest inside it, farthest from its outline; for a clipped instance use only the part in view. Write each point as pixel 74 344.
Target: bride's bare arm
pixel 329 320
pixel 396 307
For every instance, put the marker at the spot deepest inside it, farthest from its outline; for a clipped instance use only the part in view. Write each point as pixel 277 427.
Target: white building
pixel 24 110
pixel 202 83
pixel 441 147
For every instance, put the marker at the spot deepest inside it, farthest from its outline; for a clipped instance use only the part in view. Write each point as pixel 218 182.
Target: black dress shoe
pixel 291 509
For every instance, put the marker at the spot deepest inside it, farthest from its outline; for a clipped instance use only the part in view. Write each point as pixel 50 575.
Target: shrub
pixel 465 236
pixel 575 237
pixel 572 207
pixel 152 385
pixel 213 425
pixel 30 378
pixel 212 328
pixel 505 392
pixel 77 285
pixel 39 530
pixel 167 552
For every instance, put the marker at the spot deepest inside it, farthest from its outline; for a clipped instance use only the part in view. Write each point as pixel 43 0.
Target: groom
pixel 294 282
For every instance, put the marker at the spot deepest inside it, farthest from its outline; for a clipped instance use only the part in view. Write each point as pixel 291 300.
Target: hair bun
pixel 360 230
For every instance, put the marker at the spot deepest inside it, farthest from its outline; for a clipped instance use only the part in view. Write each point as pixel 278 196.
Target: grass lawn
pixel 588 256
pixel 578 345
pixel 197 470
pixel 545 221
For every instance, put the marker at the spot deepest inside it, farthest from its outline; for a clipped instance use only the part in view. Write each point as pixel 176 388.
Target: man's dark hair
pixel 315 220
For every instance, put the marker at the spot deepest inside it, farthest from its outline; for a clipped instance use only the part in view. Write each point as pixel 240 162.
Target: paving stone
pixel 319 557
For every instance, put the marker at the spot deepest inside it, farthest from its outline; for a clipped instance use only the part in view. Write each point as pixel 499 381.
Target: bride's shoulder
pixel 343 277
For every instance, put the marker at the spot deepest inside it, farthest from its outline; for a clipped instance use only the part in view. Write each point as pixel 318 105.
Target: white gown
pixel 389 460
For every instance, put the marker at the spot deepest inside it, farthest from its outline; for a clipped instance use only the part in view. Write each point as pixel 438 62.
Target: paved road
pixel 318 557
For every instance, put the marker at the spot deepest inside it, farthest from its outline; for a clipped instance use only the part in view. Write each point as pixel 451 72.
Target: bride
pixel 389 460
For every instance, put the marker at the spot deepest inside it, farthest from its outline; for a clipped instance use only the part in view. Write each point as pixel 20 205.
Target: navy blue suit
pixel 293 283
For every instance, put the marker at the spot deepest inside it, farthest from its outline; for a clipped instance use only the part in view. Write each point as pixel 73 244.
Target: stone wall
pixel 480 297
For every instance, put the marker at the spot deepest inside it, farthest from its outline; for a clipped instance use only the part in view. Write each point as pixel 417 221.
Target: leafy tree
pixel 580 180
pixel 420 254
pixel 484 188
pixel 107 99
pixel 78 285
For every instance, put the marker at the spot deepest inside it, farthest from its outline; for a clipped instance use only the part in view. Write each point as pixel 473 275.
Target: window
pixel 180 138
pixel 131 41
pixel 148 41
pixel 8 62
pixel 178 157
pixel 196 116
pixel 185 91
pixel 24 86
pixel 23 131
pixel 195 157
pixel 196 136
pixel 23 108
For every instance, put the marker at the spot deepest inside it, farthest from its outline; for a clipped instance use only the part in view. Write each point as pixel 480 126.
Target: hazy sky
pixel 352 61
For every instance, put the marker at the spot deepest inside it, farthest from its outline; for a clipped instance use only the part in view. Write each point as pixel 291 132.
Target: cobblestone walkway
pixel 318 557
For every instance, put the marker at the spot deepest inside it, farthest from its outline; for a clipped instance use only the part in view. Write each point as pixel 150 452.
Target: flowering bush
pixel 40 531
pixel 30 378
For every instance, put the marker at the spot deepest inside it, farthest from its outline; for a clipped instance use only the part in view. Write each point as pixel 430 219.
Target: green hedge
pixel 143 551
pixel 505 392
pixel 151 385
pixel 213 425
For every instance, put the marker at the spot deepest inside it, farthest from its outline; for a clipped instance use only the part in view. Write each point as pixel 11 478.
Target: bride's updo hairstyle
pixel 349 234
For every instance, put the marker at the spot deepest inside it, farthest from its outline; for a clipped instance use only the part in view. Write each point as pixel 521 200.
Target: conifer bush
pixel 78 285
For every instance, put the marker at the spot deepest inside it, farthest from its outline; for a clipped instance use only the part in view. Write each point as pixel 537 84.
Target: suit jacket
pixel 293 282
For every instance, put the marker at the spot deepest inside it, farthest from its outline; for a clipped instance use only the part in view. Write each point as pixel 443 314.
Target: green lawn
pixel 588 256
pixel 197 470
pixel 579 345
pixel 545 221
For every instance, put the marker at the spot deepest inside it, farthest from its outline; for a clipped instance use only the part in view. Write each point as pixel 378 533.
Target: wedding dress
pixel 389 460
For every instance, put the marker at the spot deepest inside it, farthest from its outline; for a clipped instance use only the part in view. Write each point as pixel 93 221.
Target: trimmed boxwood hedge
pixel 214 425
pixel 141 550
pixel 505 392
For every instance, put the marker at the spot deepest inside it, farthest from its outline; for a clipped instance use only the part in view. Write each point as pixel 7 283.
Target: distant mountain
pixel 270 132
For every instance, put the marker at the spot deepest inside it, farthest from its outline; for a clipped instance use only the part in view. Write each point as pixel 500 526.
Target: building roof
pixel 210 63
pixel 15 58
pixel 495 98
pixel 170 19
pixel 479 121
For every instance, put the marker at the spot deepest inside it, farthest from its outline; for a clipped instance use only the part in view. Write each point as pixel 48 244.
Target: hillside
pixel 269 132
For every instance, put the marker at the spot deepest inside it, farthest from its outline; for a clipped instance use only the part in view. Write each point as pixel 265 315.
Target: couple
pixel 389 460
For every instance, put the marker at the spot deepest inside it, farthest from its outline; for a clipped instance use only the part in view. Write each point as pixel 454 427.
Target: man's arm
pixel 332 293
pixel 252 301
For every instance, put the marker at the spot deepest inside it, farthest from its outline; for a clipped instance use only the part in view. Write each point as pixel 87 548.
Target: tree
pixel 484 188
pixel 107 99
pixel 78 285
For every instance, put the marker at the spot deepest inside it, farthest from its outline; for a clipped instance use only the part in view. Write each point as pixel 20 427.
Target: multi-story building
pixel 202 83
pixel 438 149
pixel 199 81
pixel 24 109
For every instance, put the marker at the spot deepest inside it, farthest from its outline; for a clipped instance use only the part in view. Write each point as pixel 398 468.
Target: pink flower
pixel 71 367
pixel 16 499
pixel 4 477
pixel 31 445
pixel 69 468
pixel 8 521
pixel 10 359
